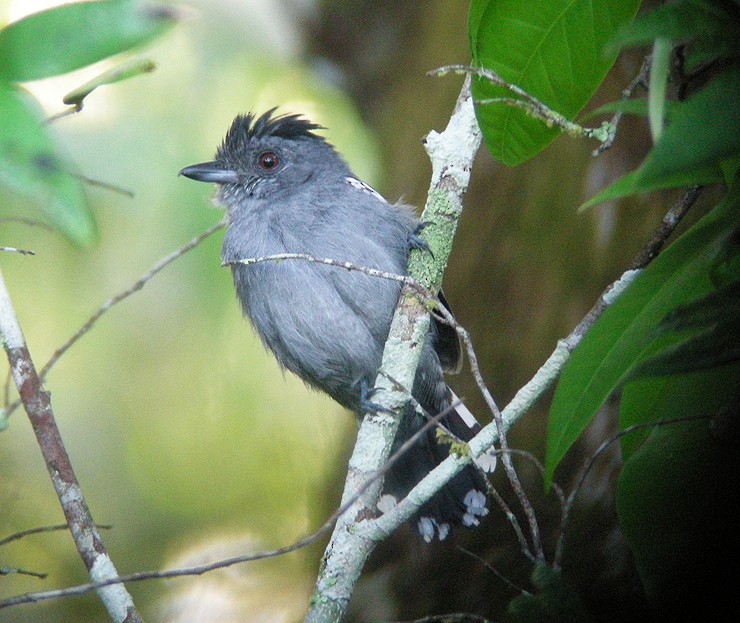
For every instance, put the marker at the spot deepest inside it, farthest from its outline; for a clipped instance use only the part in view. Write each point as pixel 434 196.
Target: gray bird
pixel 286 190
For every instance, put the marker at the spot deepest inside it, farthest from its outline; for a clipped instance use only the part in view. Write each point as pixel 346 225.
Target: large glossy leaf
pixel 71 36
pixel 553 49
pixel 703 132
pixel 625 334
pixel 31 165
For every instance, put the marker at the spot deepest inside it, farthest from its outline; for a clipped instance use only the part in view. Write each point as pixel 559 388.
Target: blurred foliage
pixel 49 43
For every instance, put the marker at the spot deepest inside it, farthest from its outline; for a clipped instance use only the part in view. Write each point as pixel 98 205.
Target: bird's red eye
pixel 268 161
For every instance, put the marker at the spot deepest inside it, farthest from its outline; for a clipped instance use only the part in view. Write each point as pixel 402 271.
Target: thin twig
pixel 106 185
pixel 31 531
pixel 135 287
pixel 350 266
pixel 114 300
pixel 72 110
pixel 507 511
pixel 513 522
pixel 455 617
pixel 495 571
pixel 530 104
pixel 528 394
pixel 567 511
pixel 18 571
pixel 511 474
pixel 19 251
pixel 83 589
pixel 640 80
pixel 26 221
pixel 672 218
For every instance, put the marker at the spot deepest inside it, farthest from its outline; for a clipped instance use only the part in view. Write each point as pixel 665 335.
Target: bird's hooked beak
pixel 210 172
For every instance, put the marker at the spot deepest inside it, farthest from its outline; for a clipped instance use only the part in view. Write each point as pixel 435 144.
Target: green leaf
pixel 71 36
pixel 703 132
pixel 705 312
pixel 674 501
pixel 680 21
pixel 113 75
pixel 553 600
pixel 653 399
pixel 713 324
pixel 31 165
pixel 633 184
pixel 553 50
pixel 476 14
pixel 624 334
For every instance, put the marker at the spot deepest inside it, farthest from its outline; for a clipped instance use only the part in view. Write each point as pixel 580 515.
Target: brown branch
pixel 455 617
pixel 17 571
pixel 493 570
pixel 24 533
pixel 672 218
pixel 511 474
pixel 19 251
pixel 37 404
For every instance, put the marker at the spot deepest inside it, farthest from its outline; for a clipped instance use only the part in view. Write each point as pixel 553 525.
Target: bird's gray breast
pixel 324 323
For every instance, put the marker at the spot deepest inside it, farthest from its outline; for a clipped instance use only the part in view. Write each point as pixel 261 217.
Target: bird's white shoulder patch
pixel 360 185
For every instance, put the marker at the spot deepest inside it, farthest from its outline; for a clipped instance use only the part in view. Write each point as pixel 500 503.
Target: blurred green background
pixel 185 435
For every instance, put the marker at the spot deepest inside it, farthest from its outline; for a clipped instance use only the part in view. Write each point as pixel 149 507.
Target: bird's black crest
pixel 244 128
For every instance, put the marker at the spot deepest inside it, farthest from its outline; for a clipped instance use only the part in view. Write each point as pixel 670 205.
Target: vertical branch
pixel 451 153
pixel 38 407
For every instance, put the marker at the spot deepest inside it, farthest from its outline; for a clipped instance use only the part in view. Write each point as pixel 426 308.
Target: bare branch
pixel 19 251
pixel 24 533
pixel 372 272
pixel 495 571
pixel 451 153
pixel 530 104
pixel 38 407
pixel 531 391
pixel 106 185
pixel 669 223
pixel 17 571
pixel 640 80
pixel 455 617
pixel 511 474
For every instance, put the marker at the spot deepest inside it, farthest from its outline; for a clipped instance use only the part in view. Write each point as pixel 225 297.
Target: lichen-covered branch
pixel 451 154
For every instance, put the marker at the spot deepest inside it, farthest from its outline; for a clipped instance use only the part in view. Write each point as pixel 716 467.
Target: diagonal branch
pixel 37 403
pixel 543 379
pixel 117 298
pixel 452 154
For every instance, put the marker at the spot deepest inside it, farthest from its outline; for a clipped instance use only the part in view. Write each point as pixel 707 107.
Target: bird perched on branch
pixel 286 190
